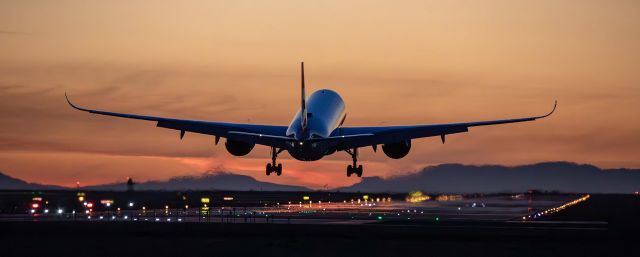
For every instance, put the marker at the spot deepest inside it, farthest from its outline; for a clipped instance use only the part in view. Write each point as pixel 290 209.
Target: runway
pixel 339 228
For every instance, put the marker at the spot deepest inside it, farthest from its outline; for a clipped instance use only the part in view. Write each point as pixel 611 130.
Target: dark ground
pixel 215 239
pixel 570 233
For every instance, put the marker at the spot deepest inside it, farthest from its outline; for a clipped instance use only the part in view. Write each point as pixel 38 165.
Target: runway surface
pixel 600 225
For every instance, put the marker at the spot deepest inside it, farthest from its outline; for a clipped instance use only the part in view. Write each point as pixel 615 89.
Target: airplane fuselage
pixel 325 112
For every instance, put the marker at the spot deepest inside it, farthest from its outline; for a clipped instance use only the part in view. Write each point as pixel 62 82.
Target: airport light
pixel 126 217
pixel 107 202
pixel 35 205
pixel 305 198
pixel 33 211
pixel 89 205
pixel 130 204
pixel 59 211
pixel 46 210
pixel 205 200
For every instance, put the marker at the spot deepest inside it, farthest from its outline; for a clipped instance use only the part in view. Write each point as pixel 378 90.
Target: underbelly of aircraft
pixel 308 152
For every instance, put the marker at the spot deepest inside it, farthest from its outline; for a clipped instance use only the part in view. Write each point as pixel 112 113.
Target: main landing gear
pixel 355 168
pixel 271 167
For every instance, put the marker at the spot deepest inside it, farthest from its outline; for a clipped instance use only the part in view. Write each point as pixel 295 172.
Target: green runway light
pixel 379 217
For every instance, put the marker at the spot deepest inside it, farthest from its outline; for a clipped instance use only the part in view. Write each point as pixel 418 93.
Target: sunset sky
pixel 393 62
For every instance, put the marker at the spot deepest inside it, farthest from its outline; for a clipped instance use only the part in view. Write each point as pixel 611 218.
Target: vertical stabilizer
pixel 303 104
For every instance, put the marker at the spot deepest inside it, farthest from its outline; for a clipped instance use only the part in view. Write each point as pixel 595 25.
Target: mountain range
pixel 548 176
pixel 10 183
pixel 210 181
pixel 445 178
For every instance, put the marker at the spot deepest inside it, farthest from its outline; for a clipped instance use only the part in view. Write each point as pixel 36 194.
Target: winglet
pixel 71 104
pixel 555 104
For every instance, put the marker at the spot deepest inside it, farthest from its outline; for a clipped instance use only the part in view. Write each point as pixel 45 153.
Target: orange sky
pixel 394 62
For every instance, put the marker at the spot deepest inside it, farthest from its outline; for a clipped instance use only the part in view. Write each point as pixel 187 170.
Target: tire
pixel 359 171
pixel 279 169
pixel 269 167
pixel 349 170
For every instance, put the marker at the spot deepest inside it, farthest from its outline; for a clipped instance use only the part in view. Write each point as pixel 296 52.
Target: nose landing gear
pixel 272 167
pixel 355 168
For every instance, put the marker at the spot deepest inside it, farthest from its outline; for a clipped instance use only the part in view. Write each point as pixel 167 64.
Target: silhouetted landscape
pixel 10 183
pixel 548 176
pixel 445 178
pixel 213 181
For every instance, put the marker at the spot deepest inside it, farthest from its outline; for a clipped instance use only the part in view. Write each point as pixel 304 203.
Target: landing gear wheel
pixel 355 168
pixel 272 167
pixel 269 169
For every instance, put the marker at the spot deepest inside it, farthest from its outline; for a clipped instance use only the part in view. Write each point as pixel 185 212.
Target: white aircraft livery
pixel 315 131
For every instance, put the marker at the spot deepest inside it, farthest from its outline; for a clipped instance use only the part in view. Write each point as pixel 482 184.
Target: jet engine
pixel 397 150
pixel 238 148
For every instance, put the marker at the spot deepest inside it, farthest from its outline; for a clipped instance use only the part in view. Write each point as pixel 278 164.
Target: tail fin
pixel 303 104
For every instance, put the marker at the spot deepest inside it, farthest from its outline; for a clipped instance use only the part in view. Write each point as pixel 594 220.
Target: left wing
pixel 370 136
pixel 217 129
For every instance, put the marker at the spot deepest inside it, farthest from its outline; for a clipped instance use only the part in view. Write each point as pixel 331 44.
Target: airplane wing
pixel 355 137
pixel 217 129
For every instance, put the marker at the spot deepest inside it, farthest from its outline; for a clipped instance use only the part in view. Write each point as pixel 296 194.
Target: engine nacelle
pixel 397 150
pixel 238 148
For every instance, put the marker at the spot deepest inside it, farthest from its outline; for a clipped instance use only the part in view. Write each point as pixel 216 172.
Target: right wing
pixel 354 137
pixel 273 135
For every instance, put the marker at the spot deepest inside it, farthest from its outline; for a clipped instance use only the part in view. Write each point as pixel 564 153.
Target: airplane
pixel 316 131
